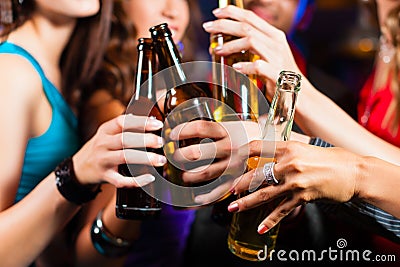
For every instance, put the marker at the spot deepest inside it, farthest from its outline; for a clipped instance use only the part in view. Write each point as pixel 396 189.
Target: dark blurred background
pixel 341 39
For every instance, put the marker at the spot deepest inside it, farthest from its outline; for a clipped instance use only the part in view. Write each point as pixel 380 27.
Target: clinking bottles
pixel 178 91
pixel 243 239
pixel 137 203
pixel 235 91
pixel 239 93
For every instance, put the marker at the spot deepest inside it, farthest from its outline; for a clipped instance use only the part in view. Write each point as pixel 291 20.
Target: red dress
pixel 372 108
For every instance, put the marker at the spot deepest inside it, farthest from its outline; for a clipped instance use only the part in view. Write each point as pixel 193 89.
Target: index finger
pixel 239 14
pixel 198 129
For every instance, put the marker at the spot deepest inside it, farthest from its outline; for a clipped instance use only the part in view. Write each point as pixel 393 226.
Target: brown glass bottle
pixel 138 203
pixel 179 90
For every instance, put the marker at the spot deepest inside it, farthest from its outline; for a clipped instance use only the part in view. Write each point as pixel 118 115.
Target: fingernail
pixel 154 123
pixel 162 160
pixel 216 11
pixel 173 135
pixel 199 199
pixel 262 229
pixel 237 66
pixel 145 179
pixel 218 48
pixel 233 207
pixel 160 141
pixel 207 25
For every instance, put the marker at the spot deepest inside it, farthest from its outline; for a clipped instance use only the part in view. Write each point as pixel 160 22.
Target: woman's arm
pixel 316 114
pixel 308 173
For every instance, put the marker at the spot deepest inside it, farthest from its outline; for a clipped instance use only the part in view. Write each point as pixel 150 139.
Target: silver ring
pixel 268 171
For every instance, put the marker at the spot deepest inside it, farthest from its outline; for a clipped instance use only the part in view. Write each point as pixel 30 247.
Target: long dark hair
pixel 84 52
pixel 116 74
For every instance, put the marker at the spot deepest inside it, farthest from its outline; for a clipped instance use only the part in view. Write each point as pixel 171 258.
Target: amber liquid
pixel 137 203
pixel 243 240
pixel 237 91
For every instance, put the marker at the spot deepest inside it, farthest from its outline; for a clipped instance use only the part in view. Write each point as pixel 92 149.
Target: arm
pixel 308 173
pixel 101 107
pixel 271 45
pixel 31 224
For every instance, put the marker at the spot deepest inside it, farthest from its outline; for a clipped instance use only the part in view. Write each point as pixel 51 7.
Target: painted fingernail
pixel 160 141
pixel 173 135
pixel 207 25
pixel 199 199
pixel 162 160
pixel 154 123
pixel 233 207
pixel 262 229
pixel 216 11
pixel 145 179
pixel 218 48
pixel 237 66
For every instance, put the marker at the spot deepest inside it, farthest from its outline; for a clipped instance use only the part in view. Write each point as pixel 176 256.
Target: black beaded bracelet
pixel 70 188
pixel 105 243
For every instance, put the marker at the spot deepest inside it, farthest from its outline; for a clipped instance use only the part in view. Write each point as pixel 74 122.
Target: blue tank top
pixel 43 153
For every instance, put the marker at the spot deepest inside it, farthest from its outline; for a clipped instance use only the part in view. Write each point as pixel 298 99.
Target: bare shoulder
pixel 18 78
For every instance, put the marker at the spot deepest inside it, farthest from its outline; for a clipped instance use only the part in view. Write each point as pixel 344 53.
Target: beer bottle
pixel 138 203
pixel 243 239
pixel 179 90
pixel 237 91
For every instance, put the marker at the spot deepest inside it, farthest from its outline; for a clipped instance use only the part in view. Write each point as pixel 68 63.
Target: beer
pixel 137 203
pixel 238 91
pixel 244 240
pixel 179 90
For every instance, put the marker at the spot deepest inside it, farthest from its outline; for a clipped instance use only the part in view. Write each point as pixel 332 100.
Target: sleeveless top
pixel 375 105
pixel 43 153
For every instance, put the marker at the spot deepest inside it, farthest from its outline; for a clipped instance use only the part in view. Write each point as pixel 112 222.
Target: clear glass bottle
pixel 137 203
pixel 243 239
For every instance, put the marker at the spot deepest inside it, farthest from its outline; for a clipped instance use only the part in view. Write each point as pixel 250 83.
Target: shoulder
pixel 18 78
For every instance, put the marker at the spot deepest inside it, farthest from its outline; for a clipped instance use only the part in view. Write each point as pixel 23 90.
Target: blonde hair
pixel 392 24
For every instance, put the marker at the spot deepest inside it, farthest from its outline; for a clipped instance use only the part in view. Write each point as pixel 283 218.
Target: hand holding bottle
pixel 98 160
pixel 305 173
pixel 227 138
pixel 257 36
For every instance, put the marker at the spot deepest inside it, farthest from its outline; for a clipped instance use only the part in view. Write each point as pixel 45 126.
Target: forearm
pixel 378 183
pixel 85 251
pixel 47 212
pixel 318 116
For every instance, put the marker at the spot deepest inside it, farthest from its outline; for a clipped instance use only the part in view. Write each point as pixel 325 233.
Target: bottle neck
pixel 281 113
pixel 224 3
pixel 144 73
pixel 169 57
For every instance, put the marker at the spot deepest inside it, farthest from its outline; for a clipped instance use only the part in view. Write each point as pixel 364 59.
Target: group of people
pixel 71 63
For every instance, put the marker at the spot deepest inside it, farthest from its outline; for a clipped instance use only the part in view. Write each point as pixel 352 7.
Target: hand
pixel 97 161
pixel 305 173
pixel 227 138
pixel 258 36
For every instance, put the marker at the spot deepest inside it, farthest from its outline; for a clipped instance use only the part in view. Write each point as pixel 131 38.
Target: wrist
pixel 362 176
pixel 69 186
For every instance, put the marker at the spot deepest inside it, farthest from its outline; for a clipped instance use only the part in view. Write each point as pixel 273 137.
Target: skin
pixel 280 14
pixel 45 36
pixel 308 173
pixel 301 167
pixel 144 14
